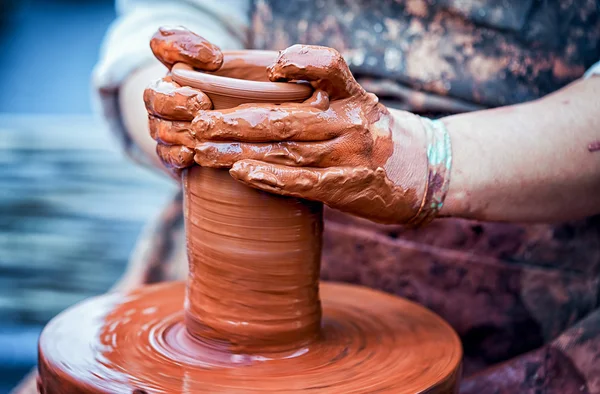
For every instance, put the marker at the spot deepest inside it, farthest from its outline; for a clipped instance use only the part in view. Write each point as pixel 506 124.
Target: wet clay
pixel 177 45
pixel 370 342
pixel 252 317
pixel 254 264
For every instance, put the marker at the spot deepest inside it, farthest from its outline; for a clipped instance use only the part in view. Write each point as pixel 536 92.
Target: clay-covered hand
pixel 172 107
pixel 341 147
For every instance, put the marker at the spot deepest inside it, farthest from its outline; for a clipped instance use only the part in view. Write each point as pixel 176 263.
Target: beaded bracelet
pixel 439 163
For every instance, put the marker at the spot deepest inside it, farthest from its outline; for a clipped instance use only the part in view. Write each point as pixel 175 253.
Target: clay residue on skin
pixel 406 164
pixel 341 130
pixel 324 67
pixel 177 44
pixel 364 190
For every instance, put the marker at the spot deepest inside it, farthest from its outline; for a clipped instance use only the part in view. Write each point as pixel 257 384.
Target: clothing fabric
pixel 126 47
pixel 525 299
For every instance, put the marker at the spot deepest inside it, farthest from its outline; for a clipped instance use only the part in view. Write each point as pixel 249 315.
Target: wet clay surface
pixel 369 342
pixel 254 264
pixel 228 92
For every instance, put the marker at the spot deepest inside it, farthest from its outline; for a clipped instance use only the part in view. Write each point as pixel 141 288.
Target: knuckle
pixel 153 125
pixel 280 127
pixel 307 181
pixel 175 156
pixel 199 101
pixel 202 123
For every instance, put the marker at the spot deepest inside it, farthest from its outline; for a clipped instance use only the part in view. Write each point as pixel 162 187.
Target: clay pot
pixel 254 257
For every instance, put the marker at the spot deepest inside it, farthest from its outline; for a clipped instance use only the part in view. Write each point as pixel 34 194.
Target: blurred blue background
pixel 71 205
pixel 50 47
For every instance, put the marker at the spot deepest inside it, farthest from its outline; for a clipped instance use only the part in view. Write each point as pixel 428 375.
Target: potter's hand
pixel 341 147
pixel 172 107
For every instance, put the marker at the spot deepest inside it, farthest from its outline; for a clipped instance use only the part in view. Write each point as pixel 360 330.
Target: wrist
pixel 424 161
pixel 439 165
pixel 407 166
pixel 458 201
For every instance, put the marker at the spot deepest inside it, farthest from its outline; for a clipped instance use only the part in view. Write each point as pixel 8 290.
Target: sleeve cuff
pixel 594 70
pixel 126 48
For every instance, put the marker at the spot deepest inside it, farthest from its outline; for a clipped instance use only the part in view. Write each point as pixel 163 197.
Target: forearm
pixel 127 66
pixel 133 112
pixel 528 162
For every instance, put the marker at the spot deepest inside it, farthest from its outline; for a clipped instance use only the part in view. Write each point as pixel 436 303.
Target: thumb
pixel 324 67
pixel 360 191
pixel 300 182
pixel 171 45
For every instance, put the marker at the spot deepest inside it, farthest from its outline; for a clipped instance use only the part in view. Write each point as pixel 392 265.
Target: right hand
pixel 171 106
pixel 340 147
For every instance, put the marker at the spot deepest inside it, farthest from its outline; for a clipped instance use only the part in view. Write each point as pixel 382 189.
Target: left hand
pixel 341 147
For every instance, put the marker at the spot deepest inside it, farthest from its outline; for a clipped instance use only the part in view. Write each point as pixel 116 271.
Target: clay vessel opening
pixel 241 79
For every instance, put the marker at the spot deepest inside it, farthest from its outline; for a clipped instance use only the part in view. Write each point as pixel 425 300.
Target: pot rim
pixel 241 88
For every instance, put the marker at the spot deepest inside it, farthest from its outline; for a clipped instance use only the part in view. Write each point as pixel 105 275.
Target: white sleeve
pixel 594 70
pixel 126 46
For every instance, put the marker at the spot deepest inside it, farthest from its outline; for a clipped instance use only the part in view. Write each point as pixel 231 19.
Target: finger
pixel 297 154
pixel 175 157
pixel 166 99
pixel 318 184
pixel 357 190
pixel 268 123
pixel 171 132
pixel 324 67
pixel 171 45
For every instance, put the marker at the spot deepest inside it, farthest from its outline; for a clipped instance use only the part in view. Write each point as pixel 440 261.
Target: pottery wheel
pixel 250 319
pixel 137 343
